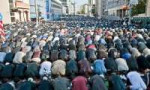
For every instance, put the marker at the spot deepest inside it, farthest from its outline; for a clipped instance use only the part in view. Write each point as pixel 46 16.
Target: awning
pixel 125 7
pixel 20 4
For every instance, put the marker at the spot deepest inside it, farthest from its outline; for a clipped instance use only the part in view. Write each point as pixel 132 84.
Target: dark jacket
pixel 27 85
pixel 116 83
pixel 97 83
pixel 110 64
pixel 61 83
pixel 6 86
pixel 46 85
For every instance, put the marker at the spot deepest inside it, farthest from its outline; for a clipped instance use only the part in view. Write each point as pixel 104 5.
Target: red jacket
pixel 79 83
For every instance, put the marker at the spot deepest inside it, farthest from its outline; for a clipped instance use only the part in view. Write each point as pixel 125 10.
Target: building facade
pixel 56 9
pixel 148 8
pixel 116 8
pixel 15 10
pixel 91 4
pixel 67 7
pixel 47 9
pixel 85 8
pixel 40 6
pixel 19 10
pixel 100 8
pixel 5 11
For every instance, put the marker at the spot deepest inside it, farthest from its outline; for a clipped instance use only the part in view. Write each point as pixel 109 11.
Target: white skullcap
pixel 34 36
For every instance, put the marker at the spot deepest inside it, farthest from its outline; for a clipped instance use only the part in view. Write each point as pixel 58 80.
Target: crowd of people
pixel 54 56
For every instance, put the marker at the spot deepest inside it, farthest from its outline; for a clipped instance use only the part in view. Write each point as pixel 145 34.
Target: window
pixel 12 14
pixel 10 1
pixel 12 19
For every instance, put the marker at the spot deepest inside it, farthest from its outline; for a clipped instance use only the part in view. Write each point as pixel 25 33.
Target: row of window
pixel 111 4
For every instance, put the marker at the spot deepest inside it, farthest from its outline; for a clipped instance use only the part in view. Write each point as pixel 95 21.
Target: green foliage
pixel 139 8
pixel 83 11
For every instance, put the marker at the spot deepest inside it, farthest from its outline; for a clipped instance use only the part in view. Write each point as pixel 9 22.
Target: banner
pixel 2 33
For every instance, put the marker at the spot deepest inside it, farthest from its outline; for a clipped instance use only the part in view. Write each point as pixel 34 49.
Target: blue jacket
pixel 99 67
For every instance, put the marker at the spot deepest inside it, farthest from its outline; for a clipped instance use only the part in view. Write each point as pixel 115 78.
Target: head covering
pixel 79 83
pixel 59 67
pixel 136 81
pixel 141 46
pixel 146 52
pixel 135 52
pixel 122 64
pixel 134 42
pixel 142 63
pixel 111 52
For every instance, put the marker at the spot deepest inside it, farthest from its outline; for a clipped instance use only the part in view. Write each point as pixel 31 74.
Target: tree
pixel 82 11
pixel 139 8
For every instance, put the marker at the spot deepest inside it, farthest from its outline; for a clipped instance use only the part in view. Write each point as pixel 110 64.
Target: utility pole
pixel 36 11
pixel 74 7
pixel 130 12
pixel 130 4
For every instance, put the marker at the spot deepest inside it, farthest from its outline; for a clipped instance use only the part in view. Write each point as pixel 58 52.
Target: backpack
pixel 84 67
pixel 71 68
pixel 63 54
pixel 81 55
pixel 9 57
pixel 19 70
pixel 32 70
pixel 7 71
pixel 54 55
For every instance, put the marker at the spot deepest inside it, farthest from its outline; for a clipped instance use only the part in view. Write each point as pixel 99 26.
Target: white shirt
pixel 146 52
pixel 97 37
pixel 2 56
pixel 18 57
pixel 42 43
pixel 45 68
pixel 136 81
pixel 122 64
